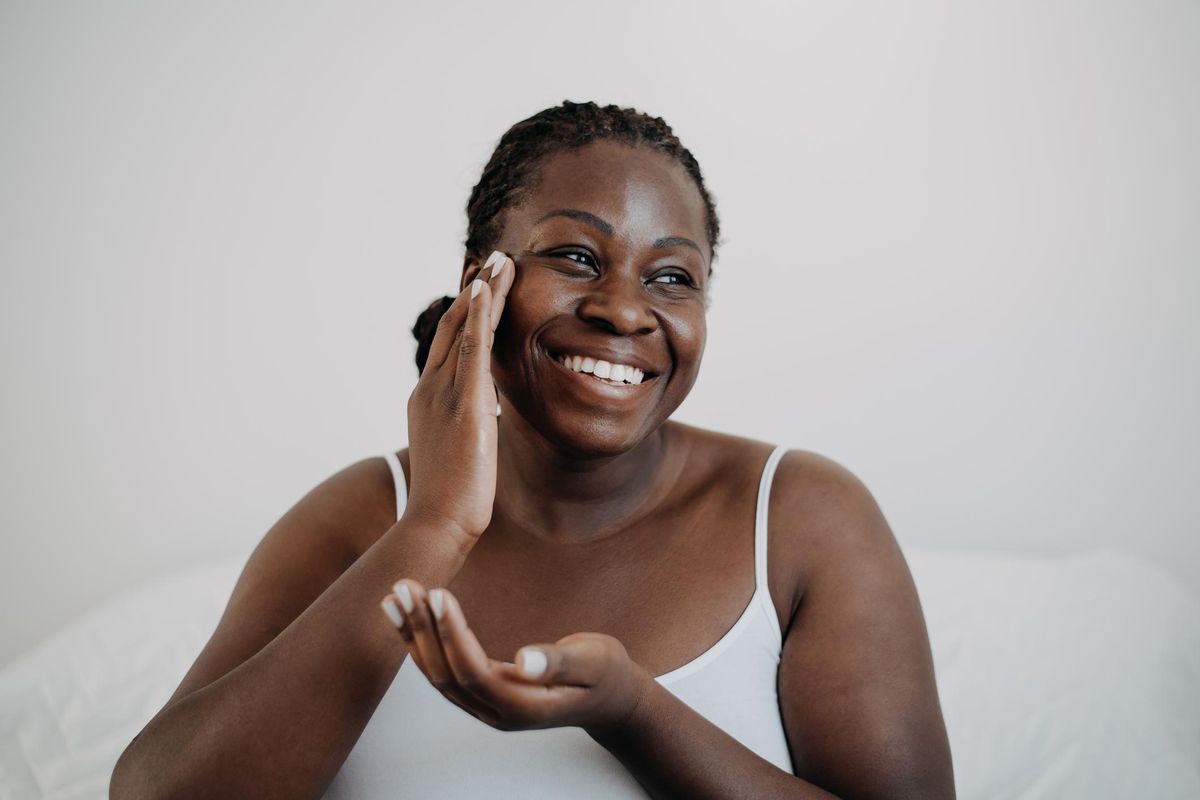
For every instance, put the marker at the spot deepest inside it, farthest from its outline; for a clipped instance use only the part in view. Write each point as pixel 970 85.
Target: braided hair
pixel 510 176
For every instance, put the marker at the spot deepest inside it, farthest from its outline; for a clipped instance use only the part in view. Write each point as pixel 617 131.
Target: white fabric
pixel 1060 678
pixel 450 754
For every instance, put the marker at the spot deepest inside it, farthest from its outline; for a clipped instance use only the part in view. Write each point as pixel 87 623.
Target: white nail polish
pixel 393 612
pixel 438 602
pixel 500 262
pixel 401 590
pixel 493 258
pixel 476 287
pixel 533 662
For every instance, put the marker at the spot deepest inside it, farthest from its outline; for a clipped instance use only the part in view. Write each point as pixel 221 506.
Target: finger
pixel 500 281
pixel 472 359
pixel 475 672
pixel 581 659
pixel 428 653
pixel 447 331
pixel 419 625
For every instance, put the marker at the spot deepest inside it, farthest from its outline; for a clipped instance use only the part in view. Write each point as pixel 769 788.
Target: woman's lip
pixel 609 390
pixel 648 374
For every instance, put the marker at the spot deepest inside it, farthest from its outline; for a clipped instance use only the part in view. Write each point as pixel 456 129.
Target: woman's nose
pixel 618 309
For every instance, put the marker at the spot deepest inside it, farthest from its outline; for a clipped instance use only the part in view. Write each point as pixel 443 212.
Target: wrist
pixel 632 717
pixel 433 534
pixel 441 528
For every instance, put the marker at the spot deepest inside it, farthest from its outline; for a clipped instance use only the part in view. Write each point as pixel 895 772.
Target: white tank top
pixel 419 744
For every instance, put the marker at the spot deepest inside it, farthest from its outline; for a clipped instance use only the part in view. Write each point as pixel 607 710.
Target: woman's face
pixel 612 262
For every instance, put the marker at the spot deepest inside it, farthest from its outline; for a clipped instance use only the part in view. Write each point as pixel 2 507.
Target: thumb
pixel 580 659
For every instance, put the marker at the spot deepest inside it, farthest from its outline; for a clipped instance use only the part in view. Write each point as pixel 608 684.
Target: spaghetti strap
pixel 761 513
pixel 400 483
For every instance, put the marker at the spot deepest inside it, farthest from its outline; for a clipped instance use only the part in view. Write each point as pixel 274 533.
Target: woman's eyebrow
pixel 607 229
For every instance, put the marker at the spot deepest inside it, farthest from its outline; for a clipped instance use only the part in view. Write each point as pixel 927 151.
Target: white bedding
pixel 1074 677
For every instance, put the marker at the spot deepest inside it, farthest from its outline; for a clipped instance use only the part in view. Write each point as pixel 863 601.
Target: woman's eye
pixel 586 259
pixel 582 253
pixel 672 279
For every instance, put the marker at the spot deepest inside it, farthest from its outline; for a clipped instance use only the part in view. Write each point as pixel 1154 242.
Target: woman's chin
pixel 589 436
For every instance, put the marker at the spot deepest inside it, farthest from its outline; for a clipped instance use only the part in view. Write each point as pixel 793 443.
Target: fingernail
pixel 497 260
pixel 393 612
pixel 533 662
pixel 437 601
pixel 476 287
pixel 401 590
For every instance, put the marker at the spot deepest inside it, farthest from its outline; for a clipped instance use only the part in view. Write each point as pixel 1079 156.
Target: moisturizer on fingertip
pixel 438 602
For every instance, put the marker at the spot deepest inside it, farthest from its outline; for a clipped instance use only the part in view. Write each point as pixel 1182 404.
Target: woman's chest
pixel 668 597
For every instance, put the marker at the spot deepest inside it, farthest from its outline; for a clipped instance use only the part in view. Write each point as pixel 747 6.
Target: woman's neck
pixel 555 497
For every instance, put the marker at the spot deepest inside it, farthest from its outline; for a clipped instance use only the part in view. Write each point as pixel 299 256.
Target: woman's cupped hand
pixel 452 427
pixel 585 679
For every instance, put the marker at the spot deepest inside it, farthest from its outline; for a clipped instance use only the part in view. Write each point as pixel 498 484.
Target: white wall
pixel 960 255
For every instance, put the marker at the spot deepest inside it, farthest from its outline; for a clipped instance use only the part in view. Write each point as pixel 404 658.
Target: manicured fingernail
pixel 438 602
pixel 496 260
pixel 401 590
pixel 533 662
pixel 476 287
pixel 390 608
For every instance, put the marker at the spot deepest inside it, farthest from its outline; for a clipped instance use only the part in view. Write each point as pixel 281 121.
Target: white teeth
pixel 613 373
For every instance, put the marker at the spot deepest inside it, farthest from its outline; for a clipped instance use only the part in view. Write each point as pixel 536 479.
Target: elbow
pixel 133 778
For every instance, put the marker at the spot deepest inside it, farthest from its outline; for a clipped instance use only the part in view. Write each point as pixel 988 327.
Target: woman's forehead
pixel 640 192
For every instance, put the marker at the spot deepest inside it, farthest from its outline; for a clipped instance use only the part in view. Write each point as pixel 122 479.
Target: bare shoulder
pixel 825 513
pixel 305 551
pixel 857 691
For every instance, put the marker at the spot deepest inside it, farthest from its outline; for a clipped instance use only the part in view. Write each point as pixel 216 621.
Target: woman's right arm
pixel 303 653
pixel 281 721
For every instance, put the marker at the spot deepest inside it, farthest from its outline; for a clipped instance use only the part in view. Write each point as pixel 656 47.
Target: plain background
pixel 960 255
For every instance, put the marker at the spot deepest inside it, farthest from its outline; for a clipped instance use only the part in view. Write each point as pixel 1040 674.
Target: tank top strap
pixel 761 511
pixel 400 483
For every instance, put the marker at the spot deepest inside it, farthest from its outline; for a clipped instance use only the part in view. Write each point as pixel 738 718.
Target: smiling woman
pixel 687 613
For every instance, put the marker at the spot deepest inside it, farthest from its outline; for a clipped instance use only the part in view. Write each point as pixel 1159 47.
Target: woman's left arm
pixel 674 752
pixel 857 693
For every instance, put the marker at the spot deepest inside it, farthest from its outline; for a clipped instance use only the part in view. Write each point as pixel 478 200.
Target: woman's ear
pixel 471 268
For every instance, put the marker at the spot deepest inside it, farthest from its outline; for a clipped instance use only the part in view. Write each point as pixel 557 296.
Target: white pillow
pixel 1059 677
pixel 1071 677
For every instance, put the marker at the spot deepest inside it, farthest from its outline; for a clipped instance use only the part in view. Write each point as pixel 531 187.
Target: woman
pixel 614 548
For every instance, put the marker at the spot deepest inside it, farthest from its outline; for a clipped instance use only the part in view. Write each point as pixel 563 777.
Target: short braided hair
pixel 511 174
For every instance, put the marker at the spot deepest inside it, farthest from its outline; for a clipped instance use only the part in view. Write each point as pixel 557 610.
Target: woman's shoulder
pixel 820 510
pixel 800 471
pixel 358 502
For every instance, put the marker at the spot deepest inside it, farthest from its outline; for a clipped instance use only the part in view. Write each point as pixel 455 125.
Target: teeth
pixel 611 373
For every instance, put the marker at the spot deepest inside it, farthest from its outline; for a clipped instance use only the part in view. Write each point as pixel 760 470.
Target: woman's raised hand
pixel 452 411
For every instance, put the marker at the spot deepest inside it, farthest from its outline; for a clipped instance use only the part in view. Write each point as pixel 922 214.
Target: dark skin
pixel 630 531
pixel 592 490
